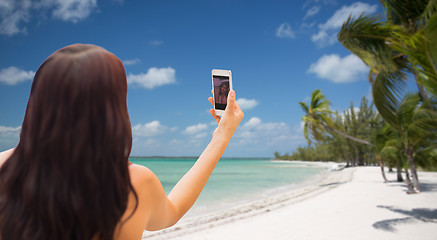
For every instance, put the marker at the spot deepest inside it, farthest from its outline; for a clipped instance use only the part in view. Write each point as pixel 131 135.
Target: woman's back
pixel 145 183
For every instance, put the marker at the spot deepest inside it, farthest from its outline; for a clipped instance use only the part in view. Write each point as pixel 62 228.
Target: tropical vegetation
pixel 332 136
pixel 403 132
pixel 359 136
pixel 402 43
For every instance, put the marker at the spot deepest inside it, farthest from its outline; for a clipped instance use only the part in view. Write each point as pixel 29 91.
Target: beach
pixel 353 203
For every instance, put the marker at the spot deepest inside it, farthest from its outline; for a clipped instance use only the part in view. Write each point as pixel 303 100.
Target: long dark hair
pixel 68 178
pixel 227 87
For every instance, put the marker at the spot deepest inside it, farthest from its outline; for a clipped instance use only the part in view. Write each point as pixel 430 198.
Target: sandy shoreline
pixel 350 204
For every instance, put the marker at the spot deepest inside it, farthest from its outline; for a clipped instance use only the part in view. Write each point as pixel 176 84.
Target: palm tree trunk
pixel 409 152
pixel 345 135
pixel 399 171
pixel 381 164
pixel 408 181
pixel 360 158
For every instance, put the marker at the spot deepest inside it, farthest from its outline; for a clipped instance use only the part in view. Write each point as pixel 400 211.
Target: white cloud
pixel 323 39
pixel 340 16
pixel 73 10
pixel 301 127
pixel 284 31
pixel 246 104
pixel 312 11
pixel 197 133
pixel 259 135
pixel 14 14
pixel 196 129
pixel 252 138
pixel 252 123
pixel 199 136
pixel 148 129
pixel 154 77
pixel 9 137
pixel 14 75
pixel 131 61
pixel 148 147
pixel 328 30
pixel 255 130
pixel 10 130
pixel 339 70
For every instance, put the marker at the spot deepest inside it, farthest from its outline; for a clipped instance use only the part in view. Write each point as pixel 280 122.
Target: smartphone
pixel 221 85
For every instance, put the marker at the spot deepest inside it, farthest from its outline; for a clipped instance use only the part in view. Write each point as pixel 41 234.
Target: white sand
pixel 350 204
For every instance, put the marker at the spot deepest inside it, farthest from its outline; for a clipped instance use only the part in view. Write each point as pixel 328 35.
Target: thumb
pixel 231 101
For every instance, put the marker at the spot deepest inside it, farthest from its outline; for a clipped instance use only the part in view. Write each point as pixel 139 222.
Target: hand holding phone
pixel 221 85
pixel 231 118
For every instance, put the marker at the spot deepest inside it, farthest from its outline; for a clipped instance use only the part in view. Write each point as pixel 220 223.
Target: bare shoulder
pixel 141 176
pixel 147 187
pixel 5 155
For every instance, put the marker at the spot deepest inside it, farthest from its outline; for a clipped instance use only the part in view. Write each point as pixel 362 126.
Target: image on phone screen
pixel 221 90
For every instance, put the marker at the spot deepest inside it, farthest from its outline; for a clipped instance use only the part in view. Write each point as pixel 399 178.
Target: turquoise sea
pixel 235 181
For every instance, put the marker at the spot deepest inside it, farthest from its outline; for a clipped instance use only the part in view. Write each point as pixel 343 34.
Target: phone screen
pixel 221 90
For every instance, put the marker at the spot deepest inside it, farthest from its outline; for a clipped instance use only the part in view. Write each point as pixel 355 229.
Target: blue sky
pixel 278 52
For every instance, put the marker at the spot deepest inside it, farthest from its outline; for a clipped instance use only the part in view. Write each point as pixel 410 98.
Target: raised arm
pixel 170 209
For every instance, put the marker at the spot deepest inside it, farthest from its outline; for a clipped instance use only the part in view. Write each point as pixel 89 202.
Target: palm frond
pixel 401 12
pixel 316 129
pixel 407 108
pixel 417 121
pixel 304 107
pixel 430 33
pixel 421 51
pixel 427 158
pixel 390 152
pixel 387 91
pixel 367 37
pixel 380 137
pixel 428 12
pixel 423 126
pixel 318 100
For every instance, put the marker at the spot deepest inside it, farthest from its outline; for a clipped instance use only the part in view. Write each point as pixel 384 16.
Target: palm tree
pixel 416 125
pixel 406 42
pixel 359 124
pixel 317 120
pixel 379 138
pixel 391 150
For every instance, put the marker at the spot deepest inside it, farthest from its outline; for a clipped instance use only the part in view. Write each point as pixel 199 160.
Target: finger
pixel 217 118
pixel 236 106
pixel 211 100
pixel 231 100
pixel 238 110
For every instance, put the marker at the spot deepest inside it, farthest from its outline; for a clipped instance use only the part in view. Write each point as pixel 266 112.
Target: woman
pixel 222 96
pixel 70 178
